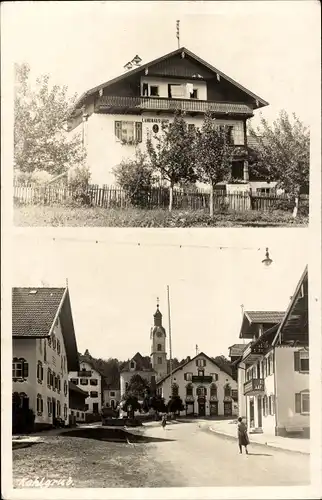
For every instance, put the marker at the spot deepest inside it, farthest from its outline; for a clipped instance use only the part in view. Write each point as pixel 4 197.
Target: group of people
pixel 243 439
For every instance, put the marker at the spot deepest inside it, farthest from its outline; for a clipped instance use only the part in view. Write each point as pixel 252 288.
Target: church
pixel 153 367
pixel 206 389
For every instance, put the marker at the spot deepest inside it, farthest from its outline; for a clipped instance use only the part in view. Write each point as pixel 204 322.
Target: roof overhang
pixel 294 327
pixel 258 101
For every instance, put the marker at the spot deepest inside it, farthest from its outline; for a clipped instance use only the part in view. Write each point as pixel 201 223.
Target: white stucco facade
pixel 111 397
pixel 282 406
pixel 46 385
pixel 90 381
pixel 214 402
pixel 105 151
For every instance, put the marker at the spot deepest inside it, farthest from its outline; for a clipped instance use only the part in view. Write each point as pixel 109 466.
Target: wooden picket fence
pixel 158 197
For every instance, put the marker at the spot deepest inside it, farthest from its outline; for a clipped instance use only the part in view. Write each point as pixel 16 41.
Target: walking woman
pixel 164 421
pixel 242 436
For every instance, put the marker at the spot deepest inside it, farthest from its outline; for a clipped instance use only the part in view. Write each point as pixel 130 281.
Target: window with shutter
pixel 138 131
pixel 305 402
pixel 118 130
pixel 296 361
pixel 304 361
pixel 297 403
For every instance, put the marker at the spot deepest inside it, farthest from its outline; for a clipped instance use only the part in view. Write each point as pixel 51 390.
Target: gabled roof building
pixel 44 351
pixel 117 116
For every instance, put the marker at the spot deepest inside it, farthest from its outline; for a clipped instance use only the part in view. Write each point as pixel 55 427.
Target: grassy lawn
pixel 90 463
pixel 39 215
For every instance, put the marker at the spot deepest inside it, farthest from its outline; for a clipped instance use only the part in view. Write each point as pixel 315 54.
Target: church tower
pixel 158 345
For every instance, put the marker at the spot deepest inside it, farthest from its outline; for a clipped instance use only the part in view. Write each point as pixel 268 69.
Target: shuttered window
pixel 301 361
pixel 128 131
pixel 20 369
pixel 302 402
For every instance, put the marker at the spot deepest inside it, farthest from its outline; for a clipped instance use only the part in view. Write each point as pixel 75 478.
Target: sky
pixel 272 48
pixel 114 283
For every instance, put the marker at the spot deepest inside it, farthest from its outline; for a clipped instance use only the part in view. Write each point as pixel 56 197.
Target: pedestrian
pixel 242 436
pixel 164 421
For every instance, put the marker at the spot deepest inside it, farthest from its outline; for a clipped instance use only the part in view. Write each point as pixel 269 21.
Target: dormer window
pixel 132 365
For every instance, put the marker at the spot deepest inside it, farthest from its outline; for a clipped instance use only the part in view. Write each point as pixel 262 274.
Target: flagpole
pixel 178 33
pixel 170 340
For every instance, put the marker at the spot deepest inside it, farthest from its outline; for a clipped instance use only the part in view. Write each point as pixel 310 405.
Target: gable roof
pixel 191 360
pixel 236 350
pixel 258 101
pixel 143 363
pixel 264 316
pixel 35 312
pixel 251 319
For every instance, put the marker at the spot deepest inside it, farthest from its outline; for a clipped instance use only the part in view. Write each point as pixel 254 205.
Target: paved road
pixel 195 456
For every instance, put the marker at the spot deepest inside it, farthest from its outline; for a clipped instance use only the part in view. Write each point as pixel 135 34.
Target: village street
pixel 184 454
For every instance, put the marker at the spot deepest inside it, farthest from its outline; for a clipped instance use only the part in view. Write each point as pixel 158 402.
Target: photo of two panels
pixel 161 287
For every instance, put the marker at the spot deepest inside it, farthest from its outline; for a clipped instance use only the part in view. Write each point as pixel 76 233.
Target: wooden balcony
pixel 136 105
pixel 206 379
pixel 84 373
pixel 254 387
pixel 253 353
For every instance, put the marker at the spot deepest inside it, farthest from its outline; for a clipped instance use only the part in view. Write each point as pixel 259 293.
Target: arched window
pixel 175 390
pixel 213 390
pixel 201 391
pixel 189 390
pixel 227 391
pixel 159 347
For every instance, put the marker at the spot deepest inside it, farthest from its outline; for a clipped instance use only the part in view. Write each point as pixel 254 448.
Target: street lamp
pixel 267 261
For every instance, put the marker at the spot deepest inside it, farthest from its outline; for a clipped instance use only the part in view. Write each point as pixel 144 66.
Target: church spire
pixel 157 315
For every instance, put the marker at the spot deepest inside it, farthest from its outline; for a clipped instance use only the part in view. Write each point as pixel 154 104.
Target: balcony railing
pixel 205 379
pixel 253 353
pixel 254 386
pixel 112 104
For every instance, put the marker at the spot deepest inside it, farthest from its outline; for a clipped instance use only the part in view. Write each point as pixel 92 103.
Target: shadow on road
pixel 261 454
pixel 113 435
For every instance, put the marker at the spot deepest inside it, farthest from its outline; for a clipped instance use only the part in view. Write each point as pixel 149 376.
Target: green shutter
pixel 297 402
pixel 296 361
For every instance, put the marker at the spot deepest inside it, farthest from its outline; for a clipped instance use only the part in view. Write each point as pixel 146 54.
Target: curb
pixel 222 433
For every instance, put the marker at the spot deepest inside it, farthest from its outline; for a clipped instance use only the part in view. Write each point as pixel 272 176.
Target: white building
pixel 111 394
pixel 204 387
pixel 44 350
pixel 273 371
pixel 138 365
pixel 117 116
pixel 90 380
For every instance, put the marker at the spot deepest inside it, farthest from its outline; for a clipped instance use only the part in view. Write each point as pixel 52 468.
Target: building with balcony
pixel 89 379
pixel 273 369
pixel 117 116
pixel 205 388
pixel 44 351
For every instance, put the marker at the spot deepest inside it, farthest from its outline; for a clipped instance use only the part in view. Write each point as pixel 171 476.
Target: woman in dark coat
pixel 242 436
pixel 164 421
